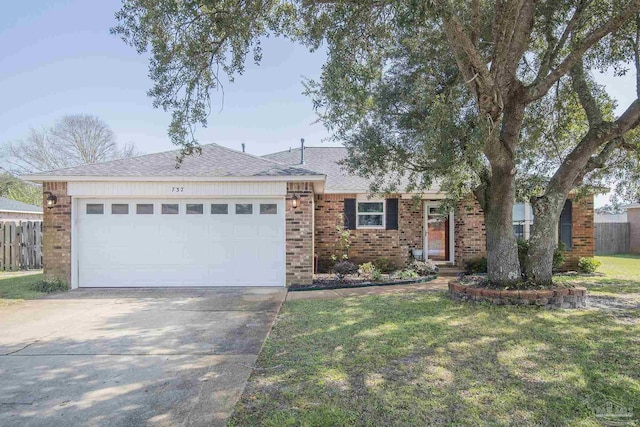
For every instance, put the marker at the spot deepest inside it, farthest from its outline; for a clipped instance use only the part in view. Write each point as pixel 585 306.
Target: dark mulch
pixel 329 281
pixel 482 281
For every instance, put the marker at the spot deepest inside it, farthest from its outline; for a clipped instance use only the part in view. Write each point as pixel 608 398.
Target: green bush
pixel 367 269
pixel 376 275
pixel 384 265
pixel 50 286
pixel 476 265
pixel 558 256
pixel 407 274
pixel 588 265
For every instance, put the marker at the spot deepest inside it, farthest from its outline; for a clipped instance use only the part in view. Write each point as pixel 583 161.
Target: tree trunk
pixel 502 250
pixel 543 240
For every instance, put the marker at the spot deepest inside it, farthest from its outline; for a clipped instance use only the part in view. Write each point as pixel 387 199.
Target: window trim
pixel 383 226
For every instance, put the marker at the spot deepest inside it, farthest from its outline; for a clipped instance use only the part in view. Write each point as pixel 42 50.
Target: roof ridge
pixel 298 149
pixel 118 160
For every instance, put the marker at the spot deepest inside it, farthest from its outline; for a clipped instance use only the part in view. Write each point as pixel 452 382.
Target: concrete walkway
pixel 131 357
pixel 439 284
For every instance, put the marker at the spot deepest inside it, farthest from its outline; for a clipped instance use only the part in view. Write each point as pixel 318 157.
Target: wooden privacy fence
pixel 20 245
pixel 611 238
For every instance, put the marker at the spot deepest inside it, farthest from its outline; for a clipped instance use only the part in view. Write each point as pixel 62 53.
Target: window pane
pixel 95 208
pixel 170 209
pixel 518 230
pixel 119 209
pixel 219 209
pixel 194 209
pixel 268 209
pixel 244 208
pixel 370 220
pixel 144 208
pixel 370 207
pixel 518 212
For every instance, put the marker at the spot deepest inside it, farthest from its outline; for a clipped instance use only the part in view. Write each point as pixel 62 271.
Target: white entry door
pixel 180 242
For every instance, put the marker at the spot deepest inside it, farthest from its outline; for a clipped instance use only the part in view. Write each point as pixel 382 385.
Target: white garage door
pixel 169 242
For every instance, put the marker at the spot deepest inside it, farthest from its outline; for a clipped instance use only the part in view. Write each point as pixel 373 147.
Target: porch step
pixel 449 271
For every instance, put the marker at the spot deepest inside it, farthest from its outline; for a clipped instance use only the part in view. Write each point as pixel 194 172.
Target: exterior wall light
pixel 51 201
pixel 294 201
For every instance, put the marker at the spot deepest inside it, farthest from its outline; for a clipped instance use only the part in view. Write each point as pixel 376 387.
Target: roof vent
pixel 302 151
pixel 243 147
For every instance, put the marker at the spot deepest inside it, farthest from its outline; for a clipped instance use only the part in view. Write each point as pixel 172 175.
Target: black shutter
pixel 350 214
pixel 392 214
pixel 566 224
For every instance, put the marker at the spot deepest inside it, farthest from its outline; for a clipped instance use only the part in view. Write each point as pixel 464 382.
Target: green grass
pixel 423 359
pixel 619 274
pixel 18 286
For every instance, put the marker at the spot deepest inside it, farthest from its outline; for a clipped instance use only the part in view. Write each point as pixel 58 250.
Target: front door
pixel 437 233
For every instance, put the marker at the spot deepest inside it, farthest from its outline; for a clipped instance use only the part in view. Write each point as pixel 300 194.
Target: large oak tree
pixel 488 97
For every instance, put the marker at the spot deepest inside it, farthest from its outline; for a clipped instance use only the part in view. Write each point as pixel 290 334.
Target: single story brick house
pixel 14 210
pixel 227 218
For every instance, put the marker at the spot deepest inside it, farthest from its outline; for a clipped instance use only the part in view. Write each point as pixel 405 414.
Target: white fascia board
pixel 60 178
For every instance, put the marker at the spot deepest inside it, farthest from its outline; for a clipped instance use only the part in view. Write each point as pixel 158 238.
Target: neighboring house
pixel 226 218
pixel 13 210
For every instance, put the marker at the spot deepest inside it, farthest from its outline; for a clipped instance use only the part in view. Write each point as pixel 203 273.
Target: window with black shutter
pixel 392 214
pixel 565 226
pixel 350 214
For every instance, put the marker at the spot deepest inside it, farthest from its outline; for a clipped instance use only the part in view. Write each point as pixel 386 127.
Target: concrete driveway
pixel 122 357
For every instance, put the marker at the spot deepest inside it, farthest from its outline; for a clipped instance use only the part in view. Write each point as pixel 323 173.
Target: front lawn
pixel 423 359
pixel 18 286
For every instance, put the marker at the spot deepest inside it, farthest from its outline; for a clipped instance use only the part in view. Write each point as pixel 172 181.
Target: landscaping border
pixel 547 298
pixel 365 284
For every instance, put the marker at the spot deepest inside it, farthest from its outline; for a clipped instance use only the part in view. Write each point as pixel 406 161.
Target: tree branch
pixel 538 89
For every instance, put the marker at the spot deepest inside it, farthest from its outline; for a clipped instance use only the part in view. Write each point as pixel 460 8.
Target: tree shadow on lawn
pixel 422 359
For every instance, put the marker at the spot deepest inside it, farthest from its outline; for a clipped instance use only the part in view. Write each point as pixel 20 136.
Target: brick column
pixel 56 239
pixel 633 217
pixel 299 234
pixel 582 239
pixel 470 233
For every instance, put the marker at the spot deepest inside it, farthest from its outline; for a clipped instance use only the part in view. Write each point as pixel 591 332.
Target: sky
pixel 57 57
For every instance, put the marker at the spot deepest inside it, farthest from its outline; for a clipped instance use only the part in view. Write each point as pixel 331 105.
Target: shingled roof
pixel 214 161
pixel 10 205
pixel 326 160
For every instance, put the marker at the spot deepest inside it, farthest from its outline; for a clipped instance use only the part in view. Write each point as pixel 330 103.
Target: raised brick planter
pixel 550 298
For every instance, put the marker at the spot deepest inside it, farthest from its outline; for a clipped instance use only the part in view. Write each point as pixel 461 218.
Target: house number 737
pixel 177 189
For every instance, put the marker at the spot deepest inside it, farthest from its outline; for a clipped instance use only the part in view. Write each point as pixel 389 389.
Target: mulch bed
pixel 481 281
pixel 329 281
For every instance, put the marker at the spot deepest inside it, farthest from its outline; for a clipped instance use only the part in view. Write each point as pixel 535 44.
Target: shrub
pixel 476 265
pixel 50 286
pixel 344 268
pixel 376 275
pixel 384 265
pixel 588 264
pixel 367 269
pixel 407 274
pixel 423 268
pixel 558 256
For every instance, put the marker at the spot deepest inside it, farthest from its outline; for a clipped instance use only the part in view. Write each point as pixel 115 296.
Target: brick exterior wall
pixel 582 239
pixel 299 234
pixel 56 239
pixel 367 244
pixel 20 216
pixel 470 232
pixel 633 217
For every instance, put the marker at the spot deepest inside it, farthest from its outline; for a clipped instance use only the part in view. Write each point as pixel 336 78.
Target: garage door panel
pixel 207 249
